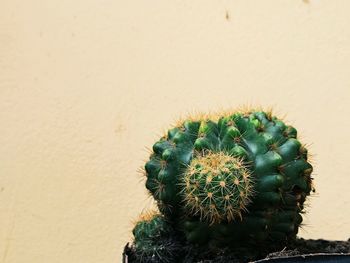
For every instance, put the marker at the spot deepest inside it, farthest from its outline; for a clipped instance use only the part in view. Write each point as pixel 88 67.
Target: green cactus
pixel 241 176
pixel 153 240
pixel 217 187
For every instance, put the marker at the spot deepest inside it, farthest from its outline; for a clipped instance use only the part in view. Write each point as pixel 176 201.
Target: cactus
pixel 217 187
pixel 234 179
pixel 153 239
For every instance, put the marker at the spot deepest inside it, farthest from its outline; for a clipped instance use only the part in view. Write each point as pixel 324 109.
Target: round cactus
pixel 243 173
pixel 216 186
pixel 153 239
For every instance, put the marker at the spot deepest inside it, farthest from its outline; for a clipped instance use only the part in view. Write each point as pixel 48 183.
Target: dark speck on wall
pixel 119 129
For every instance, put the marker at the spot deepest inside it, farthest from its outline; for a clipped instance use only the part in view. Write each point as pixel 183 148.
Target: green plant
pixel 153 239
pixel 235 177
pixel 216 186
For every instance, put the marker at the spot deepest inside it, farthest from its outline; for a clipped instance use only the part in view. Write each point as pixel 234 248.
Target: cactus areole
pixel 238 177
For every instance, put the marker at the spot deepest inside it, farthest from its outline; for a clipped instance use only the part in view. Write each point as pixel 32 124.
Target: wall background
pixel 85 85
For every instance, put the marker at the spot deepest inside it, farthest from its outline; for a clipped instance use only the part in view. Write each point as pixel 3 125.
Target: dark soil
pixel 310 246
pixel 194 254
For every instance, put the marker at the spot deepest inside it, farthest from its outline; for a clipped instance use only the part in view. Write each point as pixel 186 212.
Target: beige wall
pixel 86 85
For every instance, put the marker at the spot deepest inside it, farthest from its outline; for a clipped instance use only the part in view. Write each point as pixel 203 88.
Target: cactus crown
pixel 216 186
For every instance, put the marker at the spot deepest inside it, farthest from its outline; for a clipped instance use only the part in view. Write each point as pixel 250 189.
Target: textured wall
pixel 86 84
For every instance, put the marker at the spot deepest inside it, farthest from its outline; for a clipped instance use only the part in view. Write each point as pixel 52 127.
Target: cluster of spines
pixel 217 187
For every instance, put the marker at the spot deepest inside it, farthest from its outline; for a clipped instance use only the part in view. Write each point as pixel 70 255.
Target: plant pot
pixel 311 258
pixel 301 251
